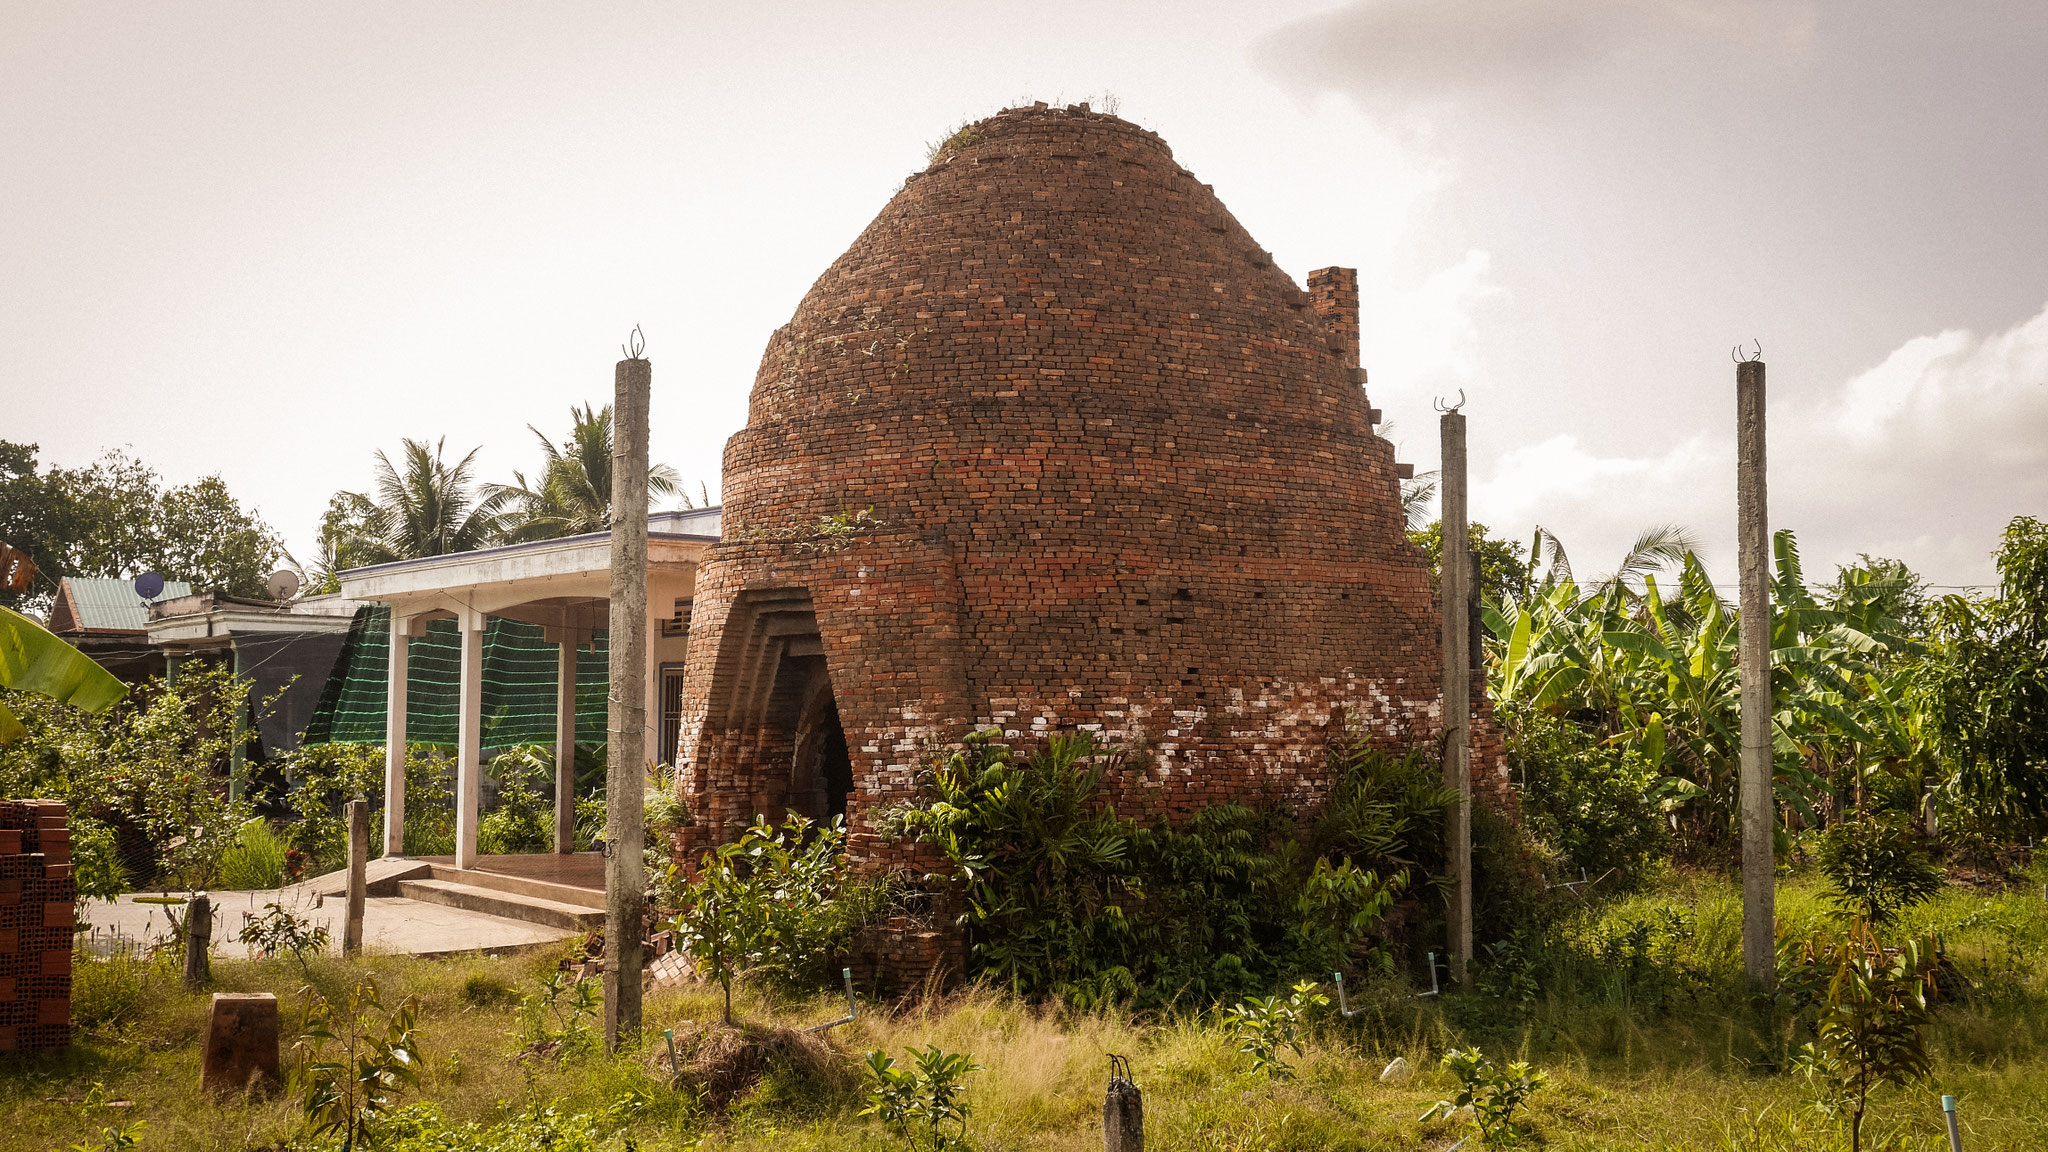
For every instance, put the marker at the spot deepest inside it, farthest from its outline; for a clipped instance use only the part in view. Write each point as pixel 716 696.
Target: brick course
pixel 1122 478
pixel 36 896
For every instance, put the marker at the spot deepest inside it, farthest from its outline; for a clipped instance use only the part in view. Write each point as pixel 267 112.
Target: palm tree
pixel 431 508
pixel 572 492
pixel 1655 547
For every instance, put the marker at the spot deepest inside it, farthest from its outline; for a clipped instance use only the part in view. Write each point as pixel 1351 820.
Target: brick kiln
pixel 1055 445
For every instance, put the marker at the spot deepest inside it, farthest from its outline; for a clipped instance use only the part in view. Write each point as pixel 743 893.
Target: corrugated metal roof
pixel 111 602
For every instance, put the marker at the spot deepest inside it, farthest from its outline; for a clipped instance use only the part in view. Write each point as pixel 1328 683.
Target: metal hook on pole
pixel 1736 354
pixel 638 340
pixel 1448 409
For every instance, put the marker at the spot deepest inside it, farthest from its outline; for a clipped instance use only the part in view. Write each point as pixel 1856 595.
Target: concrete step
pixel 382 874
pixel 519 886
pixel 497 902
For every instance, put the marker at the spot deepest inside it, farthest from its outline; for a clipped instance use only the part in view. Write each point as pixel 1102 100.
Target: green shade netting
pixel 519 686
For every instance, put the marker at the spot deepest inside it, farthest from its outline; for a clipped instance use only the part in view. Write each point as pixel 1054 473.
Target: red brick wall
pixel 36 895
pixel 1121 478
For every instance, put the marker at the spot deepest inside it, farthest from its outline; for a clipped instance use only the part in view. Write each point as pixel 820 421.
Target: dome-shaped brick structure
pixel 1054 445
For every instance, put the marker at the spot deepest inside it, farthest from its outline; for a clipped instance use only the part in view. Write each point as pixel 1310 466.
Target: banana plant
pixel 33 659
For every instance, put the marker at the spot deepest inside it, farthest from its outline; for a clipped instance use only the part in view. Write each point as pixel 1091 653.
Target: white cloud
pixel 1924 457
pixel 1441 49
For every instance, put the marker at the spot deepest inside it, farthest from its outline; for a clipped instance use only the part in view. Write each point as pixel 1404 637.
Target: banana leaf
pixel 32 659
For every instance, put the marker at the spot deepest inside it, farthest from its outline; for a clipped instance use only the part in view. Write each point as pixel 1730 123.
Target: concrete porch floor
pixel 390 923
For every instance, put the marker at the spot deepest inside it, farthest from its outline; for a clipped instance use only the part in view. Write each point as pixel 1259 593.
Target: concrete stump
pixel 241 1043
pixel 1123 1111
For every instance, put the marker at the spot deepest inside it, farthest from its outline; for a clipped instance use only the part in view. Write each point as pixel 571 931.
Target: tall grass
pixel 1644 1031
pixel 255 862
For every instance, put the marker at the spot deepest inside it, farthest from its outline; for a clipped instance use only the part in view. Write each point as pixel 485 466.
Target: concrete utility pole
pixel 1455 588
pixel 626 767
pixel 358 876
pixel 1759 808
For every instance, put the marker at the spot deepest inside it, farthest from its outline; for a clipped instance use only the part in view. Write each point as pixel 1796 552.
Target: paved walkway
pixel 390 924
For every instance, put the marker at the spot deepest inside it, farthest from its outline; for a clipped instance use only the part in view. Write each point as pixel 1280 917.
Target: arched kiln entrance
pixel 781 711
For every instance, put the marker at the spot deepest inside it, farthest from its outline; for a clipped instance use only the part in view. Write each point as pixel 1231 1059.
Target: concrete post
pixel 1454 597
pixel 565 743
pixel 198 941
pixel 470 733
pixel 238 750
pixel 625 816
pixel 358 876
pixel 397 669
pixel 1759 808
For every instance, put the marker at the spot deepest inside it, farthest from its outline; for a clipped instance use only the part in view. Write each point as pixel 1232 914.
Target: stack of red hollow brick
pixel 37 892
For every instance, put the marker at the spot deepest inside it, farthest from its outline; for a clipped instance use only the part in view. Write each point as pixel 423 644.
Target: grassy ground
pixel 1629 1007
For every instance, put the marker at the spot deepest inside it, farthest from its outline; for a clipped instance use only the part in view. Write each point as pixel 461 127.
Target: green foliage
pixel 1503 564
pixel 1064 898
pixel 350 1068
pixel 917 1105
pixel 1263 1025
pixel 111 1137
pixel 1877 869
pixel 424 506
pixel 522 820
pixel 116 518
pixel 96 861
pixel 1493 1094
pixel 560 1014
pixel 324 779
pixel 1874 1008
pixel 769 902
pixel 1986 682
pixel 1599 805
pixel 572 492
pixel 421 1128
pixel 112 991
pixel 154 768
pixel 33 659
pixel 279 930
pixel 256 861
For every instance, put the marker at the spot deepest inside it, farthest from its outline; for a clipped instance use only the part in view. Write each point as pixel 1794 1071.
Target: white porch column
pixel 565 740
pixel 397 666
pixel 470 733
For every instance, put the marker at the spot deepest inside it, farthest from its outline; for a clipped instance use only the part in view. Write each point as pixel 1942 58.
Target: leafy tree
pixel 1503 564
pixel 350 1067
pixel 1876 869
pixel 427 507
pixel 1986 681
pixel 155 765
pixel 765 902
pixel 343 528
pixel 572 492
pixel 1875 1004
pixel 116 517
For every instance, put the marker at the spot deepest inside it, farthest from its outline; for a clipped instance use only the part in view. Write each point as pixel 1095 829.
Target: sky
pixel 269 240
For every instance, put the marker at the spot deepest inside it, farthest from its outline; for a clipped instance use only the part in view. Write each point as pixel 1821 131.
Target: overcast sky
pixel 266 240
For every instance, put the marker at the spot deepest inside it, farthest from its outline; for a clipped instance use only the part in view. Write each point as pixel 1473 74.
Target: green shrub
pixel 1874 1006
pixel 916 1105
pixel 522 820
pixel 421 1128
pixel 487 990
pixel 1065 898
pixel 1493 1095
pixel 1877 869
pixel 350 1067
pixel 256 862
pixel 1595 803
pixel 1263 1025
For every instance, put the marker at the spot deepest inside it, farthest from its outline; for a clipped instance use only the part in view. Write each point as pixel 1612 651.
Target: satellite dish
pixel 283 584
pixel 149 585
